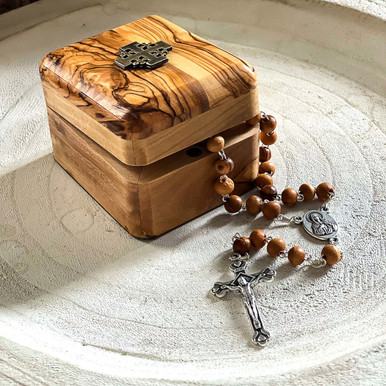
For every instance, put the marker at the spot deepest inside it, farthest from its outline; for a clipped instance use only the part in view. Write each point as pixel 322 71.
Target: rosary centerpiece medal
pixel 319 224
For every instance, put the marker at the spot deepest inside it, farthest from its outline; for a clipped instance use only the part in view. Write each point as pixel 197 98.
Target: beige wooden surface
pixel 84 303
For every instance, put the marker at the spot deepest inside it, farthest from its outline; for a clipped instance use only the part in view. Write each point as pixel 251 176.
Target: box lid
pixel 141 115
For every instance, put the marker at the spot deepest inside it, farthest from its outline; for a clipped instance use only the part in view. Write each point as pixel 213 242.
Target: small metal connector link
pixel 297 219
pixel 325 206
pixel 222 154
pixel 333 240
pixel 235 237
pixel 315 263
pixel 294 219
pixel 300 197
pixel 320 263
pixel 283 254
pixel 277 197
pixel 239 257
pixel 225 198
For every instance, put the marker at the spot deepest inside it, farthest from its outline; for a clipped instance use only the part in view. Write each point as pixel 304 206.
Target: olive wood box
pixel 134 138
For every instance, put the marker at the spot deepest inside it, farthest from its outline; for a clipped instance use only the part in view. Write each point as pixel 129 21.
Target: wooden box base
pixel 150 200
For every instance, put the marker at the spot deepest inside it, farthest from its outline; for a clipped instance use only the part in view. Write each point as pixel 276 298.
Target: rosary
pixel 317 223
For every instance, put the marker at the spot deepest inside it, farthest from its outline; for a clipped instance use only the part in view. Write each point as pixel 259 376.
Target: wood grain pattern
pixel 136 105
pixel 150 200
pixel 160 145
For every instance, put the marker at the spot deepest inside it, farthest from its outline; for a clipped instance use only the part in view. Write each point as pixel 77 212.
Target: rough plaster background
pixel 83 302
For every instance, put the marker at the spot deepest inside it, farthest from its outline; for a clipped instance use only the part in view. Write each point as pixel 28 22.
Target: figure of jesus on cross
pixel 243 283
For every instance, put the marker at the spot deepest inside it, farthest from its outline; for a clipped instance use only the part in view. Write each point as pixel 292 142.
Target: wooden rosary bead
pixel 268 139
pixel 275 246
pixel 215 144
pixel 242 245
pixel 296 255
pixel 264 154
pixel 331 254
pixel 234 204
pixel 263 179
pixel 255 120
pixel 324 190
pixel 289 197
pixel 253 205
pixel 308 192
pixel 267 167
pixel 267 124
pixel 268 192
pixel 271 209
pixel 224 185
pixel 258 238
pixel 224 166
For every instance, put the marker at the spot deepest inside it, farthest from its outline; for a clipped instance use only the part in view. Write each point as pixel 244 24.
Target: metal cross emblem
pixel 143 55
pixel 243 283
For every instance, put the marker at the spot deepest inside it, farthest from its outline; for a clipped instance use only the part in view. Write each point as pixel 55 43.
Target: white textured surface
pixel 83 302
pixel 371 7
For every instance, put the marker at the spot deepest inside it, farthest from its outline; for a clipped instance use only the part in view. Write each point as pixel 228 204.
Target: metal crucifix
pixel 243 283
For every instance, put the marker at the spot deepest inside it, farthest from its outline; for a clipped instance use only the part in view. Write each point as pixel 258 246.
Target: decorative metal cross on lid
pixel 243 283
pixel 143 55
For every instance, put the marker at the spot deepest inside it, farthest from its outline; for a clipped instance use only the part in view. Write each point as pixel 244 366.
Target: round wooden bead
pixel 215 144
pixel 296 255
pixel 308 192
pixel 289 197
pixel 242 245
pixel 253 205
pixel 271 209
pixel 268 139
pixel 268 192
pixel 234 204
pixel 275 246
pixel 267 167
pixel 258 238
pixel 267 124
pixel 224 166
pixel 264 154
pixel 331 254
pixel 255 120
pixel 324 190
pixel 263 179
pixel 224 185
